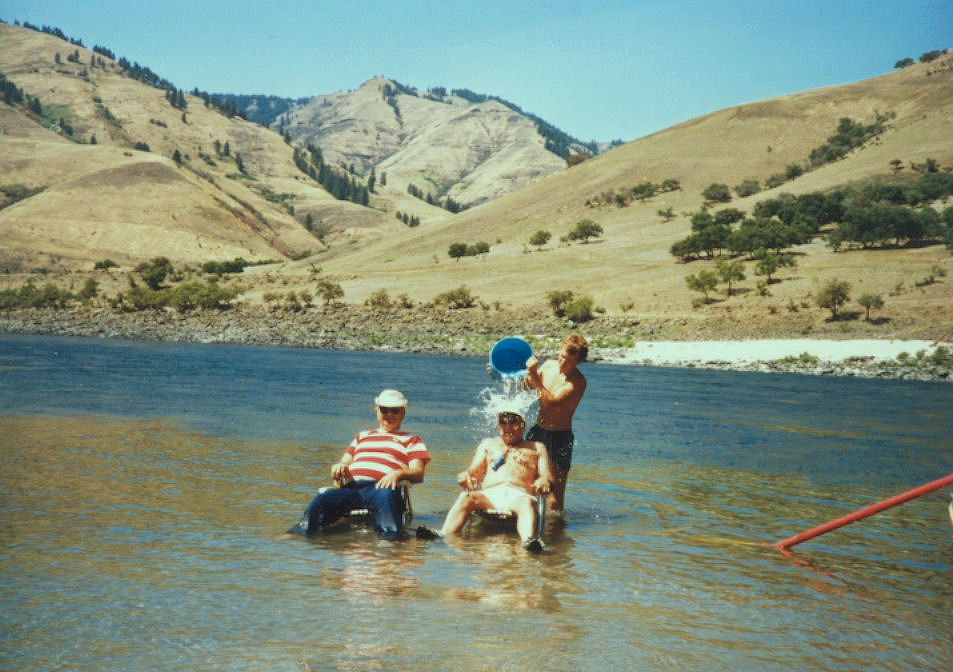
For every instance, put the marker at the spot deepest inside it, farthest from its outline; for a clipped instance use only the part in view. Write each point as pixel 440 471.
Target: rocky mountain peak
pixel 442 144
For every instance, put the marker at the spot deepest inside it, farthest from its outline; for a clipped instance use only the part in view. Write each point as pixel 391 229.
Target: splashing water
pixel 510 396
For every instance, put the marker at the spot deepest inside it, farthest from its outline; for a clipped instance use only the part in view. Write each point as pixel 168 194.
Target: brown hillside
pixel 445 146
pixel 109 200
pixel 632 264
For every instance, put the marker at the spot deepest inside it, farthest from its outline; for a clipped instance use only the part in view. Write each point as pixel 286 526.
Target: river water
pixel 144 489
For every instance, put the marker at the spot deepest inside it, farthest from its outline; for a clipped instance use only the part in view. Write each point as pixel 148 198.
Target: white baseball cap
pixel 511 409
pixel 391 399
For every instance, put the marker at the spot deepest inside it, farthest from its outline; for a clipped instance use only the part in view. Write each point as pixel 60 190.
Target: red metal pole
pixel 863 513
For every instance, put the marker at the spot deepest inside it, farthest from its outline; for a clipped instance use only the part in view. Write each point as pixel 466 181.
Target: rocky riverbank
pixel 472 333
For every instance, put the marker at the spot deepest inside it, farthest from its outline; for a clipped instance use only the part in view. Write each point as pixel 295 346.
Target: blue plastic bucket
pixel 508 358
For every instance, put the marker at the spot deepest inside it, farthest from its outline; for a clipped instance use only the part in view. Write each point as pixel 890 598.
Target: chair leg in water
pixel 427 533
pixel 533 545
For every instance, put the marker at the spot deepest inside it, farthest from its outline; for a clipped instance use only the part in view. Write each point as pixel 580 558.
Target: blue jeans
pixel 328 506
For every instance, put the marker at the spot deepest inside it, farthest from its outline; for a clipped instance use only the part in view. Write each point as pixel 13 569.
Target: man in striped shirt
pixel 369 473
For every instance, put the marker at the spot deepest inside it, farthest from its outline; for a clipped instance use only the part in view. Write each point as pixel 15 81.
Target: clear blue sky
pixel 597 70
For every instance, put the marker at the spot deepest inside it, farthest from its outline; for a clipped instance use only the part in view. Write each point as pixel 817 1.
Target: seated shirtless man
pixel 512 471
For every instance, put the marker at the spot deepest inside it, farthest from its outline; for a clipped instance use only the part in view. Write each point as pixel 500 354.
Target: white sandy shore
pixel 747 352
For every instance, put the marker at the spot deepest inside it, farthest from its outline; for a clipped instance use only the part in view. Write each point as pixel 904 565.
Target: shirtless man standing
pixel 512 470
pixel 560 386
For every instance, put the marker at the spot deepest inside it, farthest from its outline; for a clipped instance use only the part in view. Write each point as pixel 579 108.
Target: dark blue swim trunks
pixel 558 443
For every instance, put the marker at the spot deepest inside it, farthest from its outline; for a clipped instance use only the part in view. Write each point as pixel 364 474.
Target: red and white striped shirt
pixel 376 453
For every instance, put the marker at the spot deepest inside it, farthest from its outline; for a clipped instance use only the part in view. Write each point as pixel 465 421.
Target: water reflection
pixel 822 580
pixel 366 569
pixel 504 576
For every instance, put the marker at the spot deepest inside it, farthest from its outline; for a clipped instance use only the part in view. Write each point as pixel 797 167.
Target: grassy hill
pixel 101 158
pixel 110 200
pixel 631 263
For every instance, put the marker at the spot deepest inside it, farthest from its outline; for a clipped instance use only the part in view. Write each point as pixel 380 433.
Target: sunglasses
pixel 509 420
pixel 390 411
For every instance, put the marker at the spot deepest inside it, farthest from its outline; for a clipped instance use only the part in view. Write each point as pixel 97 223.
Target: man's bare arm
pixel 477 469
pixel 413 472
pixel 339 471
pixel 545 478
pixel 561 393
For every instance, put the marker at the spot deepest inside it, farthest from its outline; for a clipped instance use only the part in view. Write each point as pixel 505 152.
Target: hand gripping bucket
pixel 508 358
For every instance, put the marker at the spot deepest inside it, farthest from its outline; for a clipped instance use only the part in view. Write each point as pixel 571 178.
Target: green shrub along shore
pixel 159 302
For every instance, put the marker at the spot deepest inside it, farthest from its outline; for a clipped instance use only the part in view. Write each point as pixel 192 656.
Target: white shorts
pixel 503 497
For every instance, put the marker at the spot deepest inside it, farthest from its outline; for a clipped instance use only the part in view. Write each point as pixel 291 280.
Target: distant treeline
pixel 408 219
pixel 55 32
pixel 260 109
pixel 892 214
pixel 876 215
pixel 145 75
pixel 849 134
pixel 449 205
pixel 13 95
pixel 558 142
pixel 341 186
pixel 927 57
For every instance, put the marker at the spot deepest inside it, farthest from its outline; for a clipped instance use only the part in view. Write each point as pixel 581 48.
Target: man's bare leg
pixel 466 503
pixel 525 512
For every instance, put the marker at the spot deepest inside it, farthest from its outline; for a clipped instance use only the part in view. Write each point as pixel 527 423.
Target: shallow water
pixel 144 489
